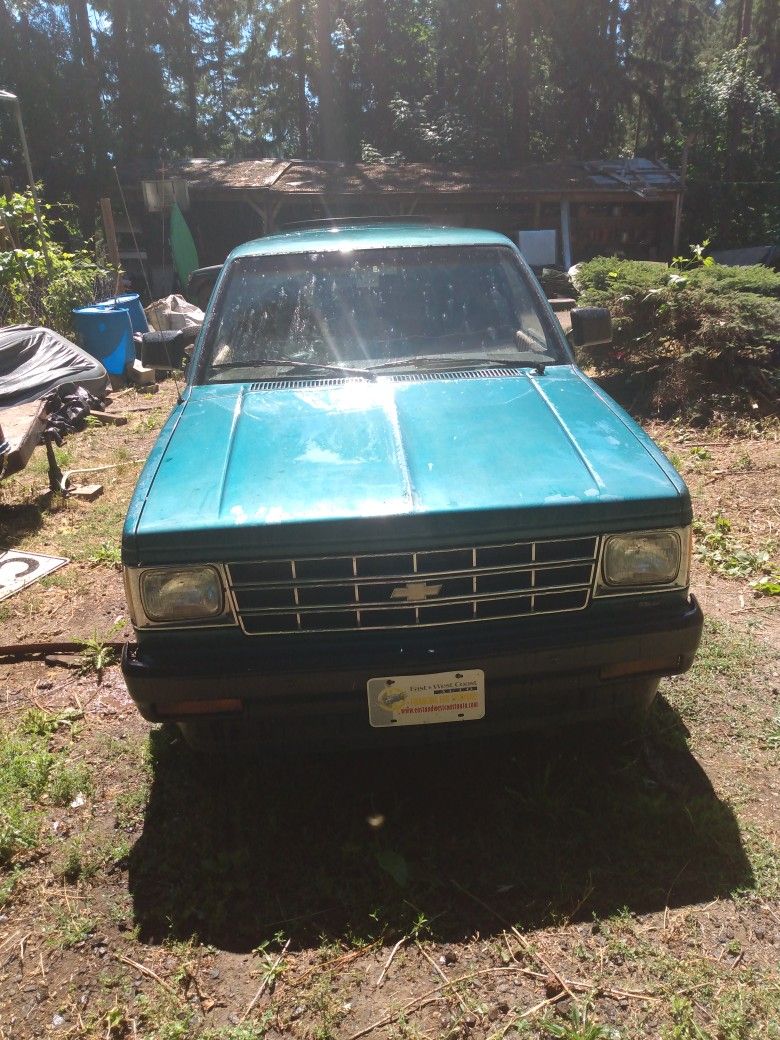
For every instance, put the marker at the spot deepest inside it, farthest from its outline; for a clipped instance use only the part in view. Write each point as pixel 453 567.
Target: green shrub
pixel 30 291
pixel 704 337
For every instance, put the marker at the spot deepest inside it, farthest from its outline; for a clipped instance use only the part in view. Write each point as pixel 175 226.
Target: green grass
pixel 96 540
pixel 32 777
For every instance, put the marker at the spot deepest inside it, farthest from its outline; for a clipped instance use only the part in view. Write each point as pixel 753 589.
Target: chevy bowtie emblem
pixel 415 592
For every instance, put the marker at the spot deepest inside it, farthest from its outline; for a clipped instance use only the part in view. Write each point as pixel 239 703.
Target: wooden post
pixel 5 229
pixel 108 226
pixel 566 233
pixel 678 201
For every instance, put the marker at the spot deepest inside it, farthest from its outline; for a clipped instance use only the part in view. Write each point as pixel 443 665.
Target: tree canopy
pixel 693 82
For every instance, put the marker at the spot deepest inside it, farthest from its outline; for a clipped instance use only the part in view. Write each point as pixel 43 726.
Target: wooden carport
pixel 631 206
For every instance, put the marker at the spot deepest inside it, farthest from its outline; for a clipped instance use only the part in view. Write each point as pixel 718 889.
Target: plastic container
pixel 107 335
pixel 130 302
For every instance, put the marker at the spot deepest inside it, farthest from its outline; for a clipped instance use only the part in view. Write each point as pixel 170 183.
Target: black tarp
pixel 769 256
pixel 34 361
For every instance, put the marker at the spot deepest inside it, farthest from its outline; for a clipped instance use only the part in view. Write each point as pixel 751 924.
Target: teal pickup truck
pixel 389 500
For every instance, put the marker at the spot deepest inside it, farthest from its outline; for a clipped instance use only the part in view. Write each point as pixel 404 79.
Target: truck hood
pixel 551 449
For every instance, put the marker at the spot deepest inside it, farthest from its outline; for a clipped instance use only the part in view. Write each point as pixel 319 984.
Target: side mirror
pixel 591 326
pixel 166 349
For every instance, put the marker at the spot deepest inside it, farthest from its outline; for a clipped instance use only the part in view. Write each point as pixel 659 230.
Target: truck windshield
pixel 376 308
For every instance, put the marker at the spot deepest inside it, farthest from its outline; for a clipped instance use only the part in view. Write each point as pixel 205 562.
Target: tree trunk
pixel 331 129
pixel 519 134
pixel 375 69
pixel 124 99
pixel 736 114
pixel 300 77
pixel 81 30
pixel 190 76
pixel 745 20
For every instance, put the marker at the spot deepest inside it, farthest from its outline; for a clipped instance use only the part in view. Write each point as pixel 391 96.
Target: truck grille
pixel 411 589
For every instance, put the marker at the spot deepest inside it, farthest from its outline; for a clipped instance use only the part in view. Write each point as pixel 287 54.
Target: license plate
pixel 418 700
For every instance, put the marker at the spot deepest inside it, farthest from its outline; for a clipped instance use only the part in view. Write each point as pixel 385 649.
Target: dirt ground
pixel 539 887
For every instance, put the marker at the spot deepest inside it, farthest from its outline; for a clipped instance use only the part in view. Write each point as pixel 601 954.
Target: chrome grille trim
pixel 504 580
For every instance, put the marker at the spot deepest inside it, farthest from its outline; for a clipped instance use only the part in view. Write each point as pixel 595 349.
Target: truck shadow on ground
pixel 530 831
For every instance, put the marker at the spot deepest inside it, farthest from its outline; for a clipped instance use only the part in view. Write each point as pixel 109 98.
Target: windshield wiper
pixel 457 360
pixel 312 366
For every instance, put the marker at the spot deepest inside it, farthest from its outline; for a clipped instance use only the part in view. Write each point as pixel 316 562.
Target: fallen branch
pixel 149 974
pixel 420 1002
pixel 264 984
pixel 393 952
pixel 344 958
pixel 10 939
pixel 519 936
pixel 440 973
pixel 590 987
pixel 426 998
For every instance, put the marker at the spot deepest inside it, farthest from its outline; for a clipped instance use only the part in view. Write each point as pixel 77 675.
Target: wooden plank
pixel 108 226
pixel 566 233
pixel 21 428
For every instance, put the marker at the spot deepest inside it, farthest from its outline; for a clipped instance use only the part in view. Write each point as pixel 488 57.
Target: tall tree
pixel 331 122
pixel 189 73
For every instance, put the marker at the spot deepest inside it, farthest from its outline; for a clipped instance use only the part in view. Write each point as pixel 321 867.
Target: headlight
pixel 645 558
pixel 181 594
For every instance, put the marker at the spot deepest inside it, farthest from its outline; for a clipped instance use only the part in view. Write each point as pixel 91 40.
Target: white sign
pixel 18 569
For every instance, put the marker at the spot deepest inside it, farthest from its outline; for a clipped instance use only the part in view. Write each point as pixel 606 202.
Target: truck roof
pixel 367 236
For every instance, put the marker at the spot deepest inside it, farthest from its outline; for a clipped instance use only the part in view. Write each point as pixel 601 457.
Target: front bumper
pixel 589 665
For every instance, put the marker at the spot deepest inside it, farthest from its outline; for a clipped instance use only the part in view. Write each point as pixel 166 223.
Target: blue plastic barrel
pixel 130 302
pixel 107 335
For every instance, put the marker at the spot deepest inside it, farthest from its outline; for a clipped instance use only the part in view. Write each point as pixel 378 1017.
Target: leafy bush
pixel 31 292
pixel 697 334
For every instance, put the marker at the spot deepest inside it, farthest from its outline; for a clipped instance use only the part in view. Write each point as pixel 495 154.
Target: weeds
pixel 32 776
pixel 96 654
pixel 719 549
pixel 108 553
pixel 578 1026
pixel 69 929
pixel 39 723
pixel 67 781
pixel 683 1025
pixel 76 864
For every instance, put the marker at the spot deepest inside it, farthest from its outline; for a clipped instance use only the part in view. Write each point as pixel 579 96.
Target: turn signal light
pixel 649 666
pixel 174 709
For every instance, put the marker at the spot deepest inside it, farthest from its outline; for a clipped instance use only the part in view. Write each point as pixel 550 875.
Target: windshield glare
pixel 369 307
